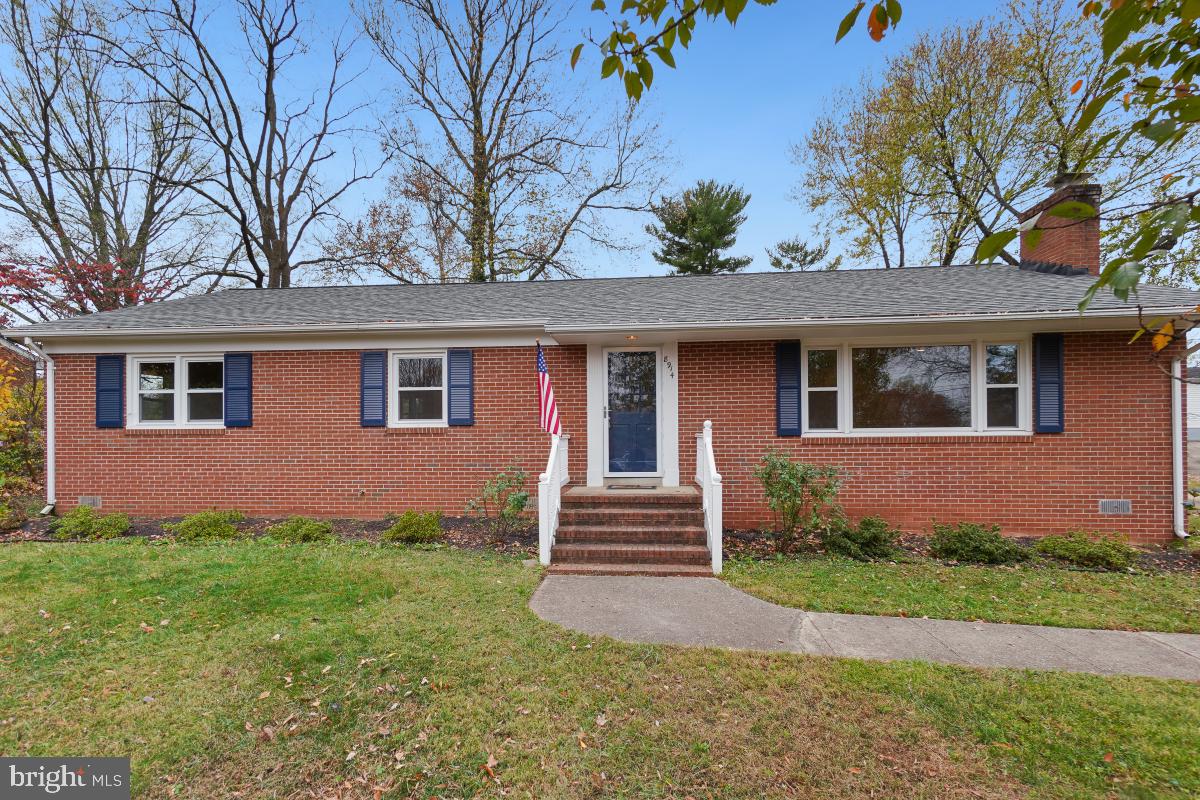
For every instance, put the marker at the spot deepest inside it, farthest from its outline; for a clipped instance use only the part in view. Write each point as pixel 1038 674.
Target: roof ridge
pixel 597 278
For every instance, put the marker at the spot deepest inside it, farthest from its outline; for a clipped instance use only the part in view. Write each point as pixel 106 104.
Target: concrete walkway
pixel 707 612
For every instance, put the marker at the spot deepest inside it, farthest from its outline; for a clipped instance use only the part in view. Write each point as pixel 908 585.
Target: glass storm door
pixel 632 412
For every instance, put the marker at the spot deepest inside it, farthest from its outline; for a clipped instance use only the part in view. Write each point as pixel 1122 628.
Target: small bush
pixel 503 500
pixel 872 538
pixel 1089 550
pixel 413 528
pixel 206 526
pixel 802 496
pixel 84 523
pixel 974 543
pixel 299 530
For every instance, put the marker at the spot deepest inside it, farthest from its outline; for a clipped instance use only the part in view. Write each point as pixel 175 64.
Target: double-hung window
pixel 965 386
pixel 418 389
pixel 177 391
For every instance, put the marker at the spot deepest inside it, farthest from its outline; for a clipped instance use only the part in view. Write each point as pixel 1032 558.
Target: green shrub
pixel 1089 550
pixel 974 543
pixel 872 538
pixel 802 496
pixel 413 528
pixel 83 522
pixel 503 500
pixel 206 526
pixel 298 530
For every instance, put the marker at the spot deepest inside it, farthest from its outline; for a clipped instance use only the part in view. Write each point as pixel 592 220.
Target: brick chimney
pixel 1065 242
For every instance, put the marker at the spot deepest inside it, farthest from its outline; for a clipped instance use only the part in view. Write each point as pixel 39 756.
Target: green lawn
pixel 1035 595
pixel 328 671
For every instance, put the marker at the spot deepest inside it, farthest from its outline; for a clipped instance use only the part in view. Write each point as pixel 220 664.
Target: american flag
pixel 547 408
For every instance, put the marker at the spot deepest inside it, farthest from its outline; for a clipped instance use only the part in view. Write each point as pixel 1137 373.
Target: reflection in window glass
pixel 420 390
pixel 1001 363
pixel 156 375
pixel 822 398
pixel 418 372
pixel 912 387
pixel 1001 374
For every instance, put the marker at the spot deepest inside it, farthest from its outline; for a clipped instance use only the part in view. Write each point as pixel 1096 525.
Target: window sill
pixel 417 430
pixel 982 437
pixel 175 431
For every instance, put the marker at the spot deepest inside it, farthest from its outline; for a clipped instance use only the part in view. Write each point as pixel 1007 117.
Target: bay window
pixel 177 391
pixel 964 386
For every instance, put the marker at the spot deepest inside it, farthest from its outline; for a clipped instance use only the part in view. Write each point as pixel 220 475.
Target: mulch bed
pixel 466 533
pixel 758 544
pixel 473 533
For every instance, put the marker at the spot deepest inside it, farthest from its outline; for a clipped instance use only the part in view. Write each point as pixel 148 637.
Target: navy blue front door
pixel 632 411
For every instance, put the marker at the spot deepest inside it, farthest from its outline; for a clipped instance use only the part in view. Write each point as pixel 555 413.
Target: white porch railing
pixel 550 495
pixel 710 489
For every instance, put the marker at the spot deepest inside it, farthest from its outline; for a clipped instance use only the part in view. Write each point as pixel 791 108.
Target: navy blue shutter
pixel 110 391
pixel 1048 383
pixel 460 384
pixel 787 388
pixel 239 390
pixel 373 380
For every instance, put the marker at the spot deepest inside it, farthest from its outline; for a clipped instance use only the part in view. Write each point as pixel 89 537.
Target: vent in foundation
pixel 1116 507
pixel 91 500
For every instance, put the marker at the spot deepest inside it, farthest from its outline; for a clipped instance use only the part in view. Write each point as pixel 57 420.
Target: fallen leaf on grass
pixel 489 767
pixel 264 695
pixel 146 628
pixel 601 720
pixel 1108 757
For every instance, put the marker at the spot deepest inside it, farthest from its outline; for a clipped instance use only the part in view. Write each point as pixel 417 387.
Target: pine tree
pixel 697 226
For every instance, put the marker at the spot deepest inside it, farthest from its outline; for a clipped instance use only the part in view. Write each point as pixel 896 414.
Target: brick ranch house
pixel 974 393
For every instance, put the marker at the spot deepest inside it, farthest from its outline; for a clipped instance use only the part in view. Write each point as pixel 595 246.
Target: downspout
pixel 1177 386
pixel 50 448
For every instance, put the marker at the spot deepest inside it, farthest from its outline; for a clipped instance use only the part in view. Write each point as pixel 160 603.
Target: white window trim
pixel 133 404
pixel 978 425
pixel 393 383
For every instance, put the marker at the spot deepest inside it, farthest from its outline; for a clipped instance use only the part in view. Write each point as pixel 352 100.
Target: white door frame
pixel 667 411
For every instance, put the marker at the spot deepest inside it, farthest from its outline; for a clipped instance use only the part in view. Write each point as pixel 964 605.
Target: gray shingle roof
pixel 924 293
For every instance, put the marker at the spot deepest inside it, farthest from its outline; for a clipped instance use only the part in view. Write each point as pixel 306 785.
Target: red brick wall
pixel 1117 445
pixel 306 453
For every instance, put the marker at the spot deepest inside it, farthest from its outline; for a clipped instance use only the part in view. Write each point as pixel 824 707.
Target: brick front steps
pixel 630 532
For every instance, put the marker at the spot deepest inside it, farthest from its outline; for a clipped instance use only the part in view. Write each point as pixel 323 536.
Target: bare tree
pixel 519 166
pixel 410 235
pixel 93 174
pixel 273 147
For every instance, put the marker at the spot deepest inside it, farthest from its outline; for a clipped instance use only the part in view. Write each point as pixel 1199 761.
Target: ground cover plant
pixel 206 526
pixel 84 522
pixel 970 542
pixel 413 527
pixel 297 530
pixel 1101 551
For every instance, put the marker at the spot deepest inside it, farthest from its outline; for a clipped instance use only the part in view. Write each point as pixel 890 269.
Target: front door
pixel 631 412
